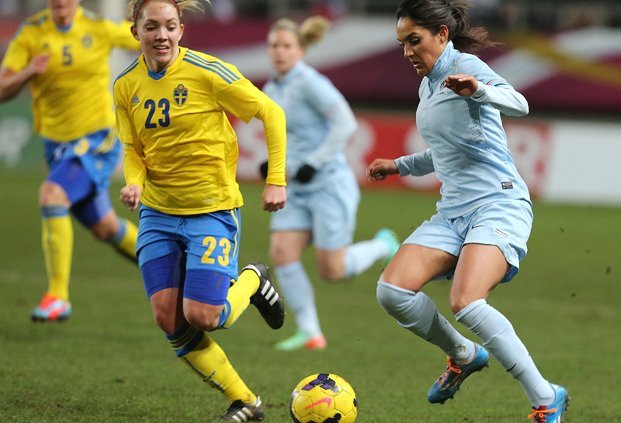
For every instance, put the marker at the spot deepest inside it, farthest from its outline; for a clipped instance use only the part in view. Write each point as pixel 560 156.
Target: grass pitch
pixel 109 362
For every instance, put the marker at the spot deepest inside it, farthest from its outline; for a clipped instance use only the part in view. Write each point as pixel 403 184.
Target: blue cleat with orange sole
pixel 554 412
pixel 449 382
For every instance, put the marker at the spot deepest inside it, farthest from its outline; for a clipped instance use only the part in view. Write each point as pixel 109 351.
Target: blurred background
pixel 564 56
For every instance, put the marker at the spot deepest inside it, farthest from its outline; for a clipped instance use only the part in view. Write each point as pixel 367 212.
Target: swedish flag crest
pixel 180 94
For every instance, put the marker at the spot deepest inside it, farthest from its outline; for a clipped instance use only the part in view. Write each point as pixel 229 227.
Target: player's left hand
pixel 130 196
pixel 274 197
pixel 461 84
pixel 305 174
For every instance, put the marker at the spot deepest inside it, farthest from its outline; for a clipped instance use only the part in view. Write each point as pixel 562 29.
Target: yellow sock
pixel 125 240
pixel 239 296
pixel 57 242
pixel 205 357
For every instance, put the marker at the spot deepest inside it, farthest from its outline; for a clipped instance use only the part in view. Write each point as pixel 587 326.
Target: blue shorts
pixel 506 224
pixel 199 244
pixel 329 213
pixel 83 168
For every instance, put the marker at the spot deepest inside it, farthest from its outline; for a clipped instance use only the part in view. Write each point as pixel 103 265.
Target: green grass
pixel 110 363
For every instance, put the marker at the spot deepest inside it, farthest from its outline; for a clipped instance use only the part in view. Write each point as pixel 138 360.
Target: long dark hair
pixel 431 14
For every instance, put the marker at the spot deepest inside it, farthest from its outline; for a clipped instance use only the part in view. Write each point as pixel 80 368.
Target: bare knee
pixel 330 271
pixel 107 227
pixel 52 194
pixel 165 318
pixel 331 264
pixel 204 318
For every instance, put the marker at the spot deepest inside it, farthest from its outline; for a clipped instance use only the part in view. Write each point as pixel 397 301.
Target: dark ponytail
pixel 431 14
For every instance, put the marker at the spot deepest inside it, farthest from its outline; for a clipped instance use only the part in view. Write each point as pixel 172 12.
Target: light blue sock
pixel 416 312
pixel 300 296
pixel 500 339
pixel 362 255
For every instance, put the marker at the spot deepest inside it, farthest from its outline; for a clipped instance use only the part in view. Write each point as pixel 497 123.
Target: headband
pixel 142 4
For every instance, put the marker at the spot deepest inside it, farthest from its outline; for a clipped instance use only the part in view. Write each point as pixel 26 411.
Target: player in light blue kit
pixel 479 233
pixel 323 193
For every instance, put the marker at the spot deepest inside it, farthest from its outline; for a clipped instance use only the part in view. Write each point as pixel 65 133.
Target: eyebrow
pixel 410 35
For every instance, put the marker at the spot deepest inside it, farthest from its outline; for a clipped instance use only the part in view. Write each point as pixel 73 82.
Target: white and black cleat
pixel 267 300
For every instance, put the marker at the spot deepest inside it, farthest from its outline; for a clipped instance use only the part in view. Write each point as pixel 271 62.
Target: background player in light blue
pixel 323 193
pixel 479 234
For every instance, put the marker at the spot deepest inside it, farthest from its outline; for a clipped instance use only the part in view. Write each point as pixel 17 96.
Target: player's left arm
pixel 241 98
pixel 327 100
pixel 481 84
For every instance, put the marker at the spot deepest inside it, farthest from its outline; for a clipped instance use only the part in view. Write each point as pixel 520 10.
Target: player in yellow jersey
pixel 62 54
pixel 180 167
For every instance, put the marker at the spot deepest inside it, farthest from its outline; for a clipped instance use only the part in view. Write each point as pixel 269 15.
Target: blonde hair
pixel 135 6
pixel 309 32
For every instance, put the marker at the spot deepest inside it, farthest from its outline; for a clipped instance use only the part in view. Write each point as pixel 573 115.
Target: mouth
pixel 161 49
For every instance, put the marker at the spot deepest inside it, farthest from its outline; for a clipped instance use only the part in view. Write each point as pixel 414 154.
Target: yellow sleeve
pixel 275 128
pixel 18 54
pixel 133 167
pixel 121 36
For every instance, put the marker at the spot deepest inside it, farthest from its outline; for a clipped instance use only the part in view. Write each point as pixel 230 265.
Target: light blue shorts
pixel 329 213
pixel 506 224
pixel 209 241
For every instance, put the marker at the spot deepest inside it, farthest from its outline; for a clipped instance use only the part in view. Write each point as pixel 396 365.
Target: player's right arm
pixel 11 82
pixel 134 170
pixel 19 66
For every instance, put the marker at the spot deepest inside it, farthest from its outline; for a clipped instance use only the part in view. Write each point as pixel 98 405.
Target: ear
pixel 443 33
pixel 134 32
pixel 181 28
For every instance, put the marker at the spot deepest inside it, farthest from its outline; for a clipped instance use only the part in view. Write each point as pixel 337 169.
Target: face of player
pixel 159 30
pixel 284 50
pixel 63 11
pixel 420 46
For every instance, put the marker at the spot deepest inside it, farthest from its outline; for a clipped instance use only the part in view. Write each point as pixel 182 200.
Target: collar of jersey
pixel 297 69
pixel 78 14
pixel 159 75
pixel 443 62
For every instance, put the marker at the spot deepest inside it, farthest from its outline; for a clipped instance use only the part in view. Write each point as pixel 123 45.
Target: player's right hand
pixel 38 64
pixel 380 168
pixel 130 196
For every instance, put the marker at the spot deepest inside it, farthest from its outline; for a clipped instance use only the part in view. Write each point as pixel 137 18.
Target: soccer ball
pixel 323 398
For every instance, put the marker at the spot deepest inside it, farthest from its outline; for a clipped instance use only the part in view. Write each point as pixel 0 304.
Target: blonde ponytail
pixel 310 32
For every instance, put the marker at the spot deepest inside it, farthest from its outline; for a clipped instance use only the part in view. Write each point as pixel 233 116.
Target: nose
pixel 161 34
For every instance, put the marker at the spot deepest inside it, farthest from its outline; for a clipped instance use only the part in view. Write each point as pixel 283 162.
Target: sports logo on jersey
pixel 180 94
pixel 87 41
pixel 135 99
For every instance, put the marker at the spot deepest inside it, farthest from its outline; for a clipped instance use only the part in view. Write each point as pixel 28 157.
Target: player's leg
pixel 212 252
pixel 430 252
pixel 286 248
pixel 96 213
pixel 57 244
pixel 334 222
pixel 492 254
pixel 290 235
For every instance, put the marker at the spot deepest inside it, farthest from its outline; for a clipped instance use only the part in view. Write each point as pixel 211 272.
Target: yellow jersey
pixel 72 97
pixel 179 144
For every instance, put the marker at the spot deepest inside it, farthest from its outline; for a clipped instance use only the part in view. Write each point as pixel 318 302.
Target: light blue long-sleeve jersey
pixel 319 124
pixel 467 143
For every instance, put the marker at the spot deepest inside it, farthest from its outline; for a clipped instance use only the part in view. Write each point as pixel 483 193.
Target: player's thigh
pixel 334 215
pixel 430 252
pixel 212 248
pixel 167 308
pixel 287 246
pixel 331 263
pixel 479 270
pixel 415 265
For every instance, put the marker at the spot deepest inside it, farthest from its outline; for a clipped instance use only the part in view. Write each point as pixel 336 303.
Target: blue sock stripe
pixel 54 211
pixel 224 314
pixel 120 235
pixel 185 340
pixel 183 337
